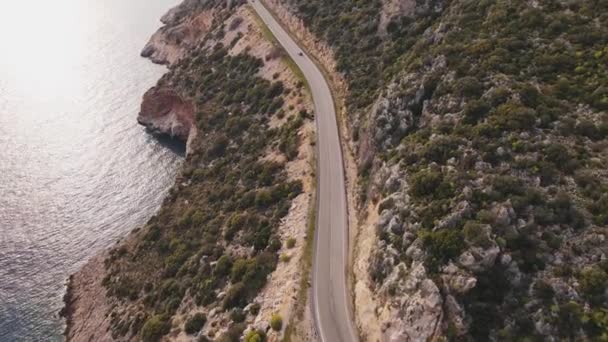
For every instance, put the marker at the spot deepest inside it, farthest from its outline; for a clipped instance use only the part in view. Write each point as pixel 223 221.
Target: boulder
pixel 504 214
pixel 462 211
pixel 478 259
pixel 395 226
pixel 419 310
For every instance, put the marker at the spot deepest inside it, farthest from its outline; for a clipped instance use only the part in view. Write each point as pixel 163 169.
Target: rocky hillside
pixel 480 131
pixel 222 258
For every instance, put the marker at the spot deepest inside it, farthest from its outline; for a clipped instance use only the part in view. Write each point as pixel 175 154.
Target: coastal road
pixel 330 296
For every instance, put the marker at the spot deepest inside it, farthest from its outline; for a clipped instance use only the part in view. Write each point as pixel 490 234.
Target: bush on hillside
pixel 276 322
pixel 155 327
pixel 195 323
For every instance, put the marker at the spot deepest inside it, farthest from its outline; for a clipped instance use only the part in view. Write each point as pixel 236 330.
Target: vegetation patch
pixel 214 241
pixel 495 118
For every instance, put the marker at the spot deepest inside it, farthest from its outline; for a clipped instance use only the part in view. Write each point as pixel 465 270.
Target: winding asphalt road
pixel 330 297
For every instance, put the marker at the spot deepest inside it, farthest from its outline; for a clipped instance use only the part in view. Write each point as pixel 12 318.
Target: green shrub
pixel 568 319
pixel 235 296
pixel 565 211
pixel 603 129
pixel 274 245
pixel 499 96
pixel 508 185
pixel 441 246
pixel 486 216
pixel 529 96
pixel 255 336
pixel 469 86
pixel 425 183
pixel 198 218
pixel 543 290
pixel 155 327
pixel 599 209
pixel 441 149
pixel 254 309
pixel 514 117
pixel 223 265
pixel 195 323
pixel 589 183
pixel 239 267
pixel 597 324
pixel 234 333
pixel 476 235
pixel 276 322
pixel 235 223
pixel 547 115
pixel 475 110
pixel 432 212
pixel 263 198
pixel 560 156
pixel 218 147
pixel 593 284
pixel 285 258
pixel 237 315
pixel 588 129
pixel 428 184
pixel 291 242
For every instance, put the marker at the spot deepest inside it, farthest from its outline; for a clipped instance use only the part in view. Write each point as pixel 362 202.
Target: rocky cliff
pixel 184 26
pixel 165 112
pixel 480 131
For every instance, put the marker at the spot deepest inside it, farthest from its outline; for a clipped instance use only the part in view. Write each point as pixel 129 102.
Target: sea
pixel 76 171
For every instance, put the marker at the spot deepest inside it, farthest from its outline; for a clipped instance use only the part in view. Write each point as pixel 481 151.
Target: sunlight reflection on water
pixel 76 172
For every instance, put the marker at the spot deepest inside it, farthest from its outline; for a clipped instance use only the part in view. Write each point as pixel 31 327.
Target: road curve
pixel 330 297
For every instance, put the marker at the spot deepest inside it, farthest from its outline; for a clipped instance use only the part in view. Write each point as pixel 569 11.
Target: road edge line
pixel 307 259
pixel 339 108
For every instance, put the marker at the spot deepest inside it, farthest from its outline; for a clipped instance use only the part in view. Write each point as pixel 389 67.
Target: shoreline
pixel 67 310
pixel 86 305
pixel 85 285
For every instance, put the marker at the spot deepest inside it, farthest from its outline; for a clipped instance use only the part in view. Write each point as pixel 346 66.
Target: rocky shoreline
pixel 163 112
pixel 86 304
pixel 184 25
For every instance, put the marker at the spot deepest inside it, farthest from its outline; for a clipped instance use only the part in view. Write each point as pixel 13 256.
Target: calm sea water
pixel 76 171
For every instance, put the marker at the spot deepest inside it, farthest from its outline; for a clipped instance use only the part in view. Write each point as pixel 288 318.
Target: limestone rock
pixel 184 26
pixel 504 214
pixel 419 310
pixel 395 226
pixel 462 211
pixel 164 112
pixel 478 259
